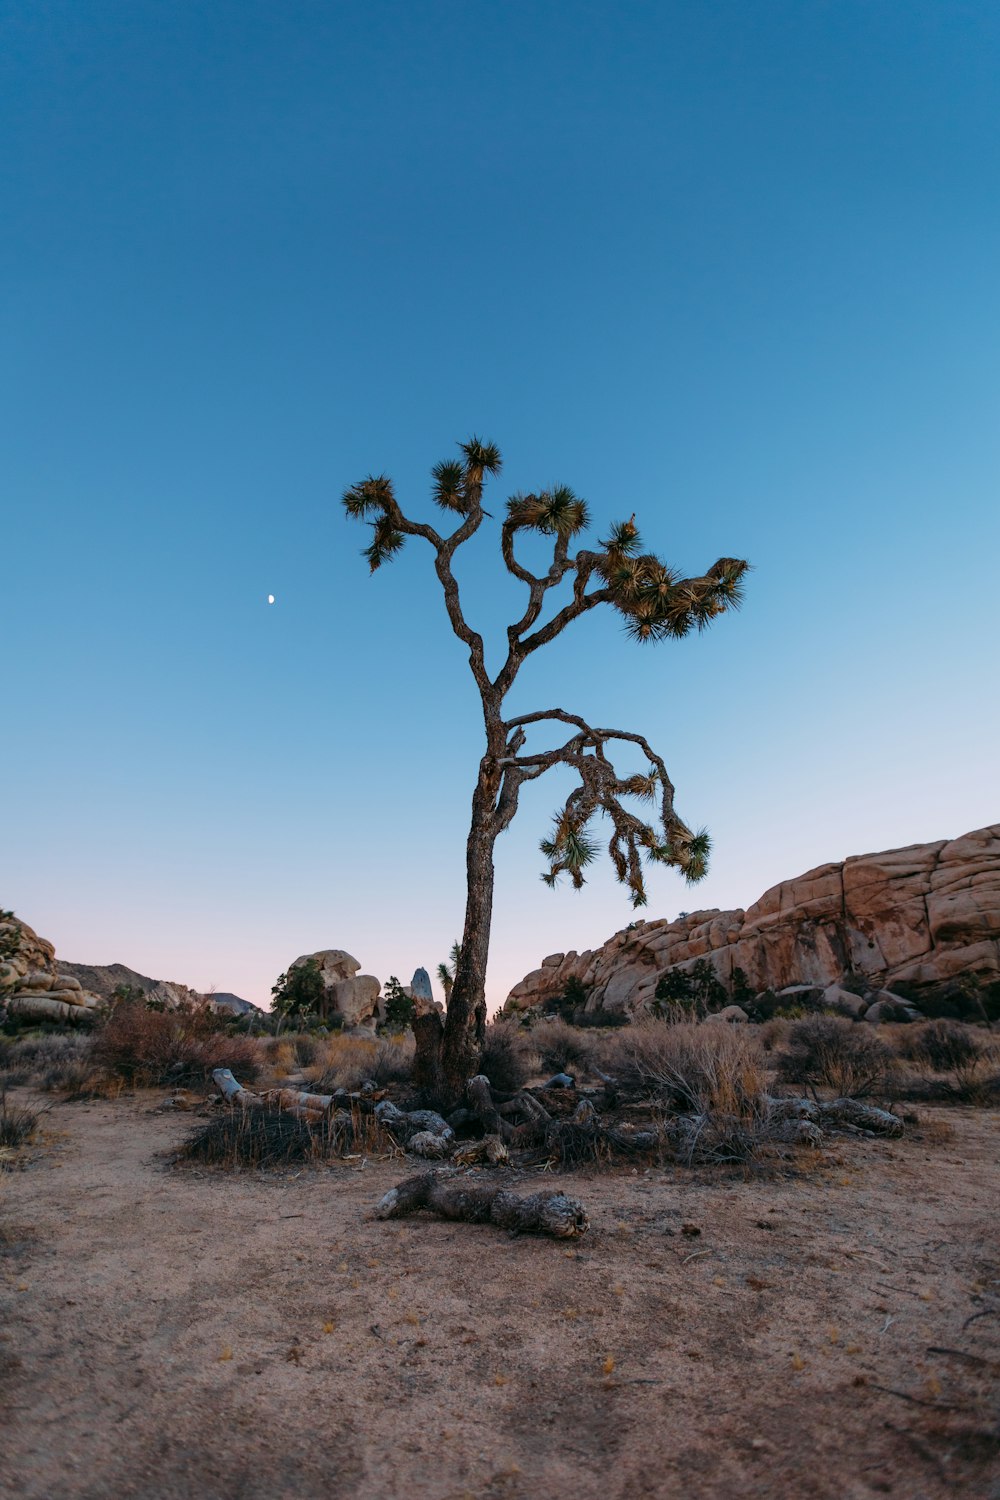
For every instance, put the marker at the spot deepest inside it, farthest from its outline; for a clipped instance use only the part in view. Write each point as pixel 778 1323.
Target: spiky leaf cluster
pixel 555 512
pixel 657 602
pixel 633 840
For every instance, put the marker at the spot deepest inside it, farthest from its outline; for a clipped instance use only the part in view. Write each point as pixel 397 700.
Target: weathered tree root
pixel 456 1197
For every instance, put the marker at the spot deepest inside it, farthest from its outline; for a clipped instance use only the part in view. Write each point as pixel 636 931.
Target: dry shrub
pixel 508 1058
pixel 17 1125
pixel 279 1056
pixel 689 1066
pixel 708 1079
pixel 28 1060
pixel 56 1063
pixel 835 1053
pixel 269 1137
pixel 562 1048
pixel 940 1045
pixel 968 1062
pixel 347 1062
pixel 145 1046
pixel 773 1034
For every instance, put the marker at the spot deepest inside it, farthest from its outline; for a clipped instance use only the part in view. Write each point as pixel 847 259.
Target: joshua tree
pixel 446 974
pixel 657 603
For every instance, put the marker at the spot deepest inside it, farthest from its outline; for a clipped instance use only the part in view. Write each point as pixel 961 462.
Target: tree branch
pixel 601 789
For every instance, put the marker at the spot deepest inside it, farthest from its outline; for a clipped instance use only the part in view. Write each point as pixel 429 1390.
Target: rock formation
pixel 346 993
pixel 913 917
pixel 32 986
pixel 107 979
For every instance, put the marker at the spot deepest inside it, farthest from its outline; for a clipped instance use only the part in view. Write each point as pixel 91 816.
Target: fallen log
pixel 857 1116
pixel 453 1196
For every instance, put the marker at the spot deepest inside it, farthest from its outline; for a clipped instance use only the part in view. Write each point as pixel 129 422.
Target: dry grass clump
pixel 17 1125
pixel 562 1048
pixel 145 1046
pixel 279 1057
pixel 271 1137
pixel 832 1052
pixel 347 1062
pixel 509 1057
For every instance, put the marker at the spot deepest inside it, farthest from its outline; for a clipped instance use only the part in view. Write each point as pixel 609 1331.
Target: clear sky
pixel 733 266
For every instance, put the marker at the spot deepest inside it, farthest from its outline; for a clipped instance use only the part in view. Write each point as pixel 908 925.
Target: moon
pixel 270 598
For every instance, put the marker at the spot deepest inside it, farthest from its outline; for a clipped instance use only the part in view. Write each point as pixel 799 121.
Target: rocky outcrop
pixel 355 997
pixel 112 980
pixel 915 917
pixel 32 986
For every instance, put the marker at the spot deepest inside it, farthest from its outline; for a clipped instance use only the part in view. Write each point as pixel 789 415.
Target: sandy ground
pixel 166 1332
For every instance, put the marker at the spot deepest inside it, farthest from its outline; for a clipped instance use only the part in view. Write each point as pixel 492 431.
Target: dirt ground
pixel 168 1332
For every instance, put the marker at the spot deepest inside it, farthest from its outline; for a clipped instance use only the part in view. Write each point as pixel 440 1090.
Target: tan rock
pixel 356 999
pixel 922 914
pixel 334 964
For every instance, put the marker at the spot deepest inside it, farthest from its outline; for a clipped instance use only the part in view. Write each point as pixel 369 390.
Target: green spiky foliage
pixel 446 972
pixel 655 602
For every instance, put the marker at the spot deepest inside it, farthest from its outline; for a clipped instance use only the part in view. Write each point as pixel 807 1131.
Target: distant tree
pixel 399 1006
pixel 298 993
pixel 656 603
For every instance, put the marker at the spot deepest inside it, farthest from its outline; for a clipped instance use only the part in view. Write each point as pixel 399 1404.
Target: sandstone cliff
pixel 915 916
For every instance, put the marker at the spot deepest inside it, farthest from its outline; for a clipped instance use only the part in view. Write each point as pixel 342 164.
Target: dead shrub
pixel 508 1057
pixel 689 1066
pixel 17 1125
pixel 967 1063
pixel 561 1047
pixel 347 1062
pixel 834 1053
pixel 709 1082
pixel 942 1045
pixel 773 1034
pixel 181 1046
pixel 32 1059
pixel 279 1056
pixel 270 1137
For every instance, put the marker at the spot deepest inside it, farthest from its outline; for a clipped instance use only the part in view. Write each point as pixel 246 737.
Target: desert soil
pixel 169 1332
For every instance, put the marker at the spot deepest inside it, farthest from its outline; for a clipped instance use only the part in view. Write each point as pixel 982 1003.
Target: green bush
pixel 690 992
pixel 299 992
pixel 399 1007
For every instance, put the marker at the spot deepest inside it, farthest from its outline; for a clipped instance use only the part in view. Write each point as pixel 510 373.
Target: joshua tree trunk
pixel 447 1058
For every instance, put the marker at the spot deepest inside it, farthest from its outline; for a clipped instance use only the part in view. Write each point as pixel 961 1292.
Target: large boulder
pixel 354 997
pixel 33 987
pixel 919 917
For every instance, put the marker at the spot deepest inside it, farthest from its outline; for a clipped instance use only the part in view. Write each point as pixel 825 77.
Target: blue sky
pixel 730 266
